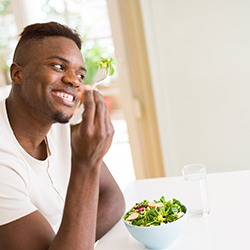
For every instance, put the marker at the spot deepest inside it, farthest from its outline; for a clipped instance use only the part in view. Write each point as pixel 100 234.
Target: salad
pixel 154 213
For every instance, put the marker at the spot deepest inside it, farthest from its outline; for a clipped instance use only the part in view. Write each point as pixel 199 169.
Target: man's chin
pixel 62 118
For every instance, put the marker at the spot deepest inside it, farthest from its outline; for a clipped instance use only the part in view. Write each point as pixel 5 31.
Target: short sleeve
pixel 14 199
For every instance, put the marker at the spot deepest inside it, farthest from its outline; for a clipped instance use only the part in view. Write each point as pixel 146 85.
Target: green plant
pixel 4 7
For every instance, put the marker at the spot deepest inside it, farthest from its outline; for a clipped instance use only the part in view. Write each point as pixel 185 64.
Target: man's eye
pixel 80 76
pixel 58 66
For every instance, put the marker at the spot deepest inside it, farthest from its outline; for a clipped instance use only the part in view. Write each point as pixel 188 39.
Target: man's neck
pixel 30 133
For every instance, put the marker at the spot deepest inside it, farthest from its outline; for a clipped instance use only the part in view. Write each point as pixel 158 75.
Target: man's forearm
pixel 111 204
pixel 108 217
pixel 78 227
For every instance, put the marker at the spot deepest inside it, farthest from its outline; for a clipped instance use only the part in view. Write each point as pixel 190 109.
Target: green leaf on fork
pixel 98 70
pixel 107 64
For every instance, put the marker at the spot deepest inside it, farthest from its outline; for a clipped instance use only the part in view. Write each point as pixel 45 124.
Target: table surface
pixel 225 228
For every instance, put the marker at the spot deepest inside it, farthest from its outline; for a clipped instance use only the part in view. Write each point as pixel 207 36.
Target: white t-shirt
pixel 28 184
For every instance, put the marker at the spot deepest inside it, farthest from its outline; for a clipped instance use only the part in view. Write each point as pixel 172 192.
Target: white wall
pixel 199 54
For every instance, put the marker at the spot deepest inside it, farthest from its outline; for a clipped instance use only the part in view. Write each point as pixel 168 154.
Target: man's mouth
pixel 66 97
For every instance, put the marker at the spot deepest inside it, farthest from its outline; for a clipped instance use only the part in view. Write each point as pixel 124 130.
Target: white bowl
pixel 158 237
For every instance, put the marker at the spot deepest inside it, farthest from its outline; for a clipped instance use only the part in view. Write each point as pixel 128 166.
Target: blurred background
pixel 180 93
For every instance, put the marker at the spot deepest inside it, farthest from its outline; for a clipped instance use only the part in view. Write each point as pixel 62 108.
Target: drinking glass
pixel 196 188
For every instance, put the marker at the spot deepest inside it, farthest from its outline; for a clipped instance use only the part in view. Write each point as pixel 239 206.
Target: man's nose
pixel 71 78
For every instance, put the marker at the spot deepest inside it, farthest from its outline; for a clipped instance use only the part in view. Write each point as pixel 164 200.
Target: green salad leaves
pixel 154 213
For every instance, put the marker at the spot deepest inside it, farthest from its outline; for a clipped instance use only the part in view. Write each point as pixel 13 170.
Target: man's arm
pixel 35 231
pixel 111 203
pixel 78 227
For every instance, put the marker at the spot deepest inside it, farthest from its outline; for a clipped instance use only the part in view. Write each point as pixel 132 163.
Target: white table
pixel 227 227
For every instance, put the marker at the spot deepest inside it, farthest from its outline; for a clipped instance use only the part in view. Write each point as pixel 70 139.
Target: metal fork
pixel 102 73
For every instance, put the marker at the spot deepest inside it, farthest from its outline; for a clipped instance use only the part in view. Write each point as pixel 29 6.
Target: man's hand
pixel 92 138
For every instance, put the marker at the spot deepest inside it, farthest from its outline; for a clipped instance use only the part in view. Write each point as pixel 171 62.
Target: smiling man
pixel 55 190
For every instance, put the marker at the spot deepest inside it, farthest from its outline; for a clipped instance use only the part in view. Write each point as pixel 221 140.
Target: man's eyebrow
pixel 65 60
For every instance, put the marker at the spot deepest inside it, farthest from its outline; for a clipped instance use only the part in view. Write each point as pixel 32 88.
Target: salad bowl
pixel 158 224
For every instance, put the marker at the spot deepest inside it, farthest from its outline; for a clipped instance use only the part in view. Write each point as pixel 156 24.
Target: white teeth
pixel 65 96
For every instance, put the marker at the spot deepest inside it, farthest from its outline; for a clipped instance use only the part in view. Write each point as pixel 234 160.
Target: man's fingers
pixel 89 107
pixel 102 119
pixel 100 109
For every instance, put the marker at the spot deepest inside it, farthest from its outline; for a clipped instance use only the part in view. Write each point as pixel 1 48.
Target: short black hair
pixel 38 31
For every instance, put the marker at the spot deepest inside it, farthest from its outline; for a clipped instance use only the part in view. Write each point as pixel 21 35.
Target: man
pixel 55 190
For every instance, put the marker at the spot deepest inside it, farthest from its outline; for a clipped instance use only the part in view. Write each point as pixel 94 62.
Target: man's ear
pixel 16 73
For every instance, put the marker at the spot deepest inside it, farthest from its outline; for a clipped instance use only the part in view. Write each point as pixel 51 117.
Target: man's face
pixel 52 74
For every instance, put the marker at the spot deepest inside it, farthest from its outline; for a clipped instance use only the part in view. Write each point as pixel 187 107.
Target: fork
pixel 102 73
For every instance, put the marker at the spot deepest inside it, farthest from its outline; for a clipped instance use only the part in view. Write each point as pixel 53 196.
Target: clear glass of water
pixel 196 188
